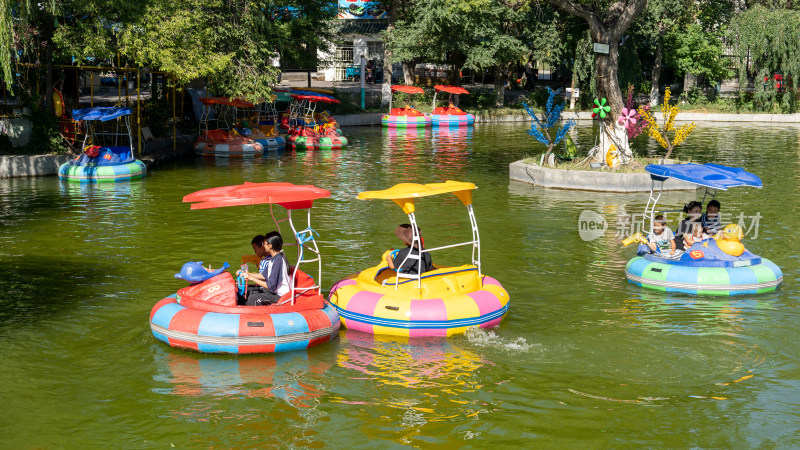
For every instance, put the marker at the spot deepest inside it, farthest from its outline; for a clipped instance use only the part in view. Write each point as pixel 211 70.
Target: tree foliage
pixel 768 40
pixel 473 34
pixel 230 42
pixel 696 51
pixel 476 34
pixel 607 21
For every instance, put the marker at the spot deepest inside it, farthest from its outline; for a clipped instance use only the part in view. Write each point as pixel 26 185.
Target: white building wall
pixel 326 68
pixel 360 46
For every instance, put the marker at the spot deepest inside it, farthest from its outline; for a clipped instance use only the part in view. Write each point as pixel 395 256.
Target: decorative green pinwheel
pixel 602 109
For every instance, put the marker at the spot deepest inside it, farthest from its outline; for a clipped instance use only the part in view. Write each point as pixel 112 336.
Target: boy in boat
pixel 711 221
pixel 662 237
pixel 400 261
pixel 272 279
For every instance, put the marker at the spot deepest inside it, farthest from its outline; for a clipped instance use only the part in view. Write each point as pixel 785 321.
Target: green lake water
pixel 583 359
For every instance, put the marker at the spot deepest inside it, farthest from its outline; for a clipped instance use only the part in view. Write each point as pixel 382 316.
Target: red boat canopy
pixel 315 98
pixel 407 89
pixel 239 103
pixel 288 195
pixel 450 89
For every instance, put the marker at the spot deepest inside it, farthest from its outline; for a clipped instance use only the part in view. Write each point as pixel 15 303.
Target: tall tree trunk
pixel 499 86
pixel 689 81
pixel 47 90
pixel 386 86
pixel 572 92
pixel 606 70
pixel 655 74
pixel 48 80
pixel 408 72
pixel 606 25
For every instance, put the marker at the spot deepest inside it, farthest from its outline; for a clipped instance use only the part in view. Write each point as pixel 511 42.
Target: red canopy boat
pixel 450 115
pixel 408 116
pixel 206 317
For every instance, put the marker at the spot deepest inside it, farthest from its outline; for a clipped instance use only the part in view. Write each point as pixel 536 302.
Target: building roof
pixel 362 26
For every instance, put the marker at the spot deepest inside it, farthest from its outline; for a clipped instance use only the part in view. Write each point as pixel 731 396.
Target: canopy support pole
pixel 476 238
pixel 174 137
pixel 708 191
pixel 649 210
pixel 415 242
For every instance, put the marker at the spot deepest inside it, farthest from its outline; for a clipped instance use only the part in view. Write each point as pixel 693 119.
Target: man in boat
pixel 398 259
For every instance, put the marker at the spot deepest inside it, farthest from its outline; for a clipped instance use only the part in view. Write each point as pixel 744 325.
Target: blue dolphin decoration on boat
pixel 194 272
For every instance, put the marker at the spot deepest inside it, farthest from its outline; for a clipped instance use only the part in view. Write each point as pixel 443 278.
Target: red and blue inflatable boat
pixel 205 316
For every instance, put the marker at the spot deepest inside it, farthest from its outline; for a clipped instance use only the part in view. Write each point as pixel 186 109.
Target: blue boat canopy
pixel 715 176
pixel 100 113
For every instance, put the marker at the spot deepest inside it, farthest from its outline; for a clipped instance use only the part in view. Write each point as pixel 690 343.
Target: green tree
pixel 696 52
pixel 607 21
pixel 767 40
pixel 475 35
pixel 659 17
pixel 228 41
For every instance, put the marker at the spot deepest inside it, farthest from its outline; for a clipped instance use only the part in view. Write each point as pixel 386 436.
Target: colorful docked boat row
pixel 228 128
pixel 440 301
pixel 236 128
pixel 442 116
pixel 231 128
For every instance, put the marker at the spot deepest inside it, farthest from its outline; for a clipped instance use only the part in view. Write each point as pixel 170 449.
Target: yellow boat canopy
pixel 404 193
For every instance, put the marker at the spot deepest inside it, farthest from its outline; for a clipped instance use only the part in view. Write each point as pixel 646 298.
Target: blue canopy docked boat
pixel 107 148
pixel 717 265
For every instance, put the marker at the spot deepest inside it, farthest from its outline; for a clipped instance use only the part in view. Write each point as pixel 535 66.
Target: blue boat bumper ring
pixel 754 279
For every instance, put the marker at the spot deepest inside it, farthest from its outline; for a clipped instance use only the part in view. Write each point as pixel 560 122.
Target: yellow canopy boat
pixel 440 302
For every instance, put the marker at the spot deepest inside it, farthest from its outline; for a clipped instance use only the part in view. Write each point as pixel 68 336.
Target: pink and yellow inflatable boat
pixel 440 302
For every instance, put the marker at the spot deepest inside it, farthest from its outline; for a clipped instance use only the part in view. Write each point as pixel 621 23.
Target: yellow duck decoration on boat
pixel 728 240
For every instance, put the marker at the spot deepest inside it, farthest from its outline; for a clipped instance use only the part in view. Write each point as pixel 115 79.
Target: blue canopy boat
pixel 107 148
pixel 715 266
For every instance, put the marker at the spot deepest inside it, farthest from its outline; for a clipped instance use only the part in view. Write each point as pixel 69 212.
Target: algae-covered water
pixel 583 359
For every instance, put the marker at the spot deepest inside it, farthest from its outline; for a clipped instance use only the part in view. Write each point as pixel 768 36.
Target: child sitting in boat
pixel 694 211
pixel 398 260
pixel 272 278
pixel 711 221
pixel 662 237
pixel 697 235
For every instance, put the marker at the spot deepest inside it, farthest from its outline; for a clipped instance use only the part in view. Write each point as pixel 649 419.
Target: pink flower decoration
pixel 628 117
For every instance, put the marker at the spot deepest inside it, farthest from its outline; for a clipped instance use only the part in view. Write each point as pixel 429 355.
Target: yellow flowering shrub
pixel 661 136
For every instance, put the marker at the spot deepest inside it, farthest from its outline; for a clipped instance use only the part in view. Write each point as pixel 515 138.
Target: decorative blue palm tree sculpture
pixel 540 128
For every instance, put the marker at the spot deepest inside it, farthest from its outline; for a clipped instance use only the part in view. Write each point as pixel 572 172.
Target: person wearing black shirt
pixel 400 260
